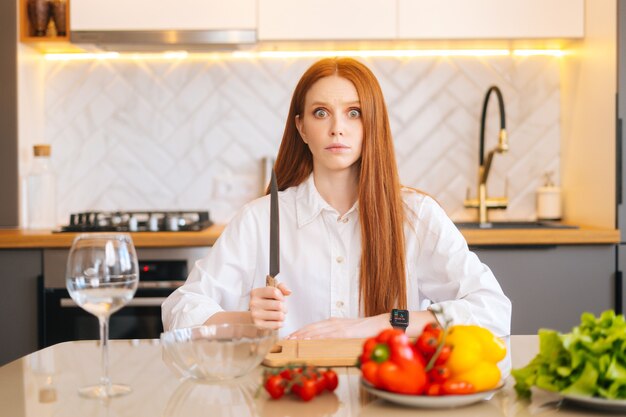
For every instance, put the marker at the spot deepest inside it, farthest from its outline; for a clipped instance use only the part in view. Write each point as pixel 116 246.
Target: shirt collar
pixel 309 202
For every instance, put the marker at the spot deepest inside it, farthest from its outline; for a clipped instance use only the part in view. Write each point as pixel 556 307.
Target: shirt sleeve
pixel 221 281
pixel 462 288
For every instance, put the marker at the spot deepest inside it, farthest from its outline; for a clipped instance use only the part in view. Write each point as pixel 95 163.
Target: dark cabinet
pixel 551 286
pixel 19 276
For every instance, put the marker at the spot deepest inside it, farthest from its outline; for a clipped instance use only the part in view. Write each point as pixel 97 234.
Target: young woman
pixel 354 243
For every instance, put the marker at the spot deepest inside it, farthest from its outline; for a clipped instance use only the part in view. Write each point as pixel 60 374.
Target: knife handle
pixel 270 281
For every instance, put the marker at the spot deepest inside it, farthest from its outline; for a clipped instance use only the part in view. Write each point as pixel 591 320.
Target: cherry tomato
pixel 275 386
pixel 287 374
pixel 433 389
pixel 439 374
pixel 432 327
pixel 457 388
pixel 320 384
pixel 307 390
pixel 427 344
pixel 331 379
pixel 444 354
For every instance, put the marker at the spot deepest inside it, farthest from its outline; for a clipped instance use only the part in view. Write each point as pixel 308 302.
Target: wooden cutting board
pixel 320 352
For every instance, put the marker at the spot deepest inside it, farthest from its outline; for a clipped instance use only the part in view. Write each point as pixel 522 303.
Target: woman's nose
pixel 337 127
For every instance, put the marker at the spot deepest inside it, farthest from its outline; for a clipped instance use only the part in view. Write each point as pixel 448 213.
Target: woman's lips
pixel 337 147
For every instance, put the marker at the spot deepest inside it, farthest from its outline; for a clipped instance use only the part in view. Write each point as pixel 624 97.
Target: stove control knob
pixel 116 219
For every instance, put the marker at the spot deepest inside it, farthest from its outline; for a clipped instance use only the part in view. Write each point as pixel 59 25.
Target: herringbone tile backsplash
pixel 190 134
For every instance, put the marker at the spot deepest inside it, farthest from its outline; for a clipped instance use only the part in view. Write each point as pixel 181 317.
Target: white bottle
pixel 549 200
pixel 40 189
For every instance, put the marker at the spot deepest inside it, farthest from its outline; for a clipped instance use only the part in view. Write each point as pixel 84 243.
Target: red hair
pixel 382 280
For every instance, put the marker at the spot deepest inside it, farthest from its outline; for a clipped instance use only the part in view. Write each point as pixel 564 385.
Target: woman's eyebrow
pixel 347 103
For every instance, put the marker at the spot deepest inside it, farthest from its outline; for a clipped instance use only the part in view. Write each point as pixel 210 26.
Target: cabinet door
pixel 326 20
pixel 19 272
pixel 552 286
pixel 490 19
pixel 162 14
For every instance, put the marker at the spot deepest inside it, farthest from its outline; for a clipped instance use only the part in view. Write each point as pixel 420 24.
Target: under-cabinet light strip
pixel 173 55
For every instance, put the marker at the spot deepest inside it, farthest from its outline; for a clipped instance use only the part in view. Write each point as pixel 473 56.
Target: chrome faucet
pixel 482 202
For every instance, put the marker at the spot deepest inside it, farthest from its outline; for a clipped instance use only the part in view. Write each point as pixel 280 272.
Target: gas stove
pixel 138 221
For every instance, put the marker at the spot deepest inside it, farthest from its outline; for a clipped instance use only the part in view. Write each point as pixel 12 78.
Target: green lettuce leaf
pixel 590 360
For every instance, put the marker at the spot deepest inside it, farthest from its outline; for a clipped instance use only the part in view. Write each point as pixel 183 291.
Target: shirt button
pixel 339 259
pixel 345 220
pixel 339 304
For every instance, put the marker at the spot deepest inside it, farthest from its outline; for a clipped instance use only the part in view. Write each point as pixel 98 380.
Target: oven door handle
pixel 135 302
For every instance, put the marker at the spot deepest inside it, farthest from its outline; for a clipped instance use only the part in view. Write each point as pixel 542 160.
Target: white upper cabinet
pixel 490 19
pixel 281 20
pixel 142 15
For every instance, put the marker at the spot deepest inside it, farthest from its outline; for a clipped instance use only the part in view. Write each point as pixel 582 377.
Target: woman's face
pixel 331 124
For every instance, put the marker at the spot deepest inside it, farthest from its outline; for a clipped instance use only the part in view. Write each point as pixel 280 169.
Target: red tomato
pixel 320 384
pixel 331 379
pixel 433 389
pixel 275 386
pixel 307 390
pixel 433 328
pixel 427 344
pixel 439 374
pixel 286 374
pixel 444 354
pixel 457 388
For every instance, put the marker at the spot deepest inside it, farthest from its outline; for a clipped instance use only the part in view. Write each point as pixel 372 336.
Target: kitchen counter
pixel 20 238
pixel 581 236
pixel 45 383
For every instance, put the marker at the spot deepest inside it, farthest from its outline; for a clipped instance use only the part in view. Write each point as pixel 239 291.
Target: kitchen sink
pixel 515 225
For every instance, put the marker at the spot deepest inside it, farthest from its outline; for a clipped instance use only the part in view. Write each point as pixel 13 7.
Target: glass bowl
pixel 217 352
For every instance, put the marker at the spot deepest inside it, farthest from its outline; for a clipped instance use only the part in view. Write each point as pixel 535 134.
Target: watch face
pixel 400 317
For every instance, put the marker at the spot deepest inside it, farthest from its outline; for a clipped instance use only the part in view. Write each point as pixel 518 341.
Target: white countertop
pixel 44 384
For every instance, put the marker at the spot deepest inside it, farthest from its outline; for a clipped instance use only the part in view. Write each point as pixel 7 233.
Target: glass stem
pixel 105 382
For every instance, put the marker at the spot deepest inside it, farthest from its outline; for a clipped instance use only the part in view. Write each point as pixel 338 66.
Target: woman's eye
pixel 354 113
pixel 320 113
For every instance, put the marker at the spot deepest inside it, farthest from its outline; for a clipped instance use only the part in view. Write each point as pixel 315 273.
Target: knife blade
pixel 274 234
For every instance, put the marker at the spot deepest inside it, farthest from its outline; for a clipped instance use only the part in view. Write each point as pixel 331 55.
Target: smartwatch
pixel 399 319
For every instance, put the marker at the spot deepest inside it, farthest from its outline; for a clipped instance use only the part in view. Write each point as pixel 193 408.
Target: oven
pixel 162 270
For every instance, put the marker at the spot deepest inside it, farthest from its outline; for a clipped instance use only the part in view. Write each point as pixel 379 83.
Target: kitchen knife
pixel 274 234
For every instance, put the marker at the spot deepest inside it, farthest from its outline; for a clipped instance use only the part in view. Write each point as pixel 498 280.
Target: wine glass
pixel 102 276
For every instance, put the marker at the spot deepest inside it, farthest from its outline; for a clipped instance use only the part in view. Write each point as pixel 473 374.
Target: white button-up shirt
pixel 320 261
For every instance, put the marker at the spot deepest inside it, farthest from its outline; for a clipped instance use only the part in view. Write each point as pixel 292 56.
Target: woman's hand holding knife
pixel 267 305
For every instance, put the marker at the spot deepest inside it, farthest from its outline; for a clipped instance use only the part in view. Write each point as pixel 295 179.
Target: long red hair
pixel 382 279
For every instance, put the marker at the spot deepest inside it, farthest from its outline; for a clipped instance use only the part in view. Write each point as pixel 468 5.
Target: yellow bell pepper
pixel 475 354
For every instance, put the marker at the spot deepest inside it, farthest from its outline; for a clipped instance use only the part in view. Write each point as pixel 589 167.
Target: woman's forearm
pixel 417 321
pixel 239 317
